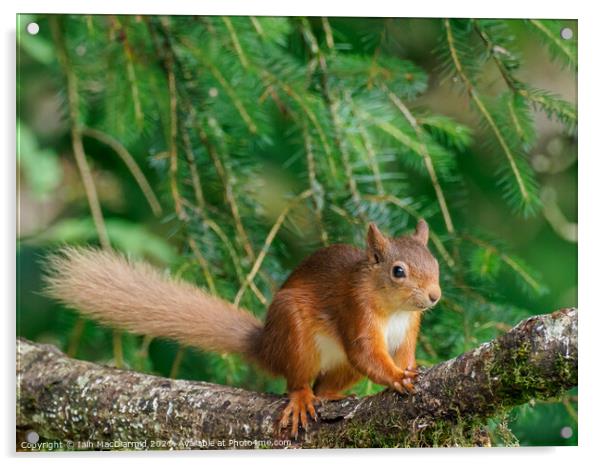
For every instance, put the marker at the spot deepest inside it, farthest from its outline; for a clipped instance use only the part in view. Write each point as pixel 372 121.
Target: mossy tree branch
pixel 69 400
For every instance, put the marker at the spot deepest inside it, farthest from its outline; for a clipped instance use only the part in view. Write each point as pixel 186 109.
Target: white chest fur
pixel 331 352
pixel 395 329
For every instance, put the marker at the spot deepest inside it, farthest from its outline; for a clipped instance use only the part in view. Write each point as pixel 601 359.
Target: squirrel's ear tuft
pixel 376 244
pixel 422 232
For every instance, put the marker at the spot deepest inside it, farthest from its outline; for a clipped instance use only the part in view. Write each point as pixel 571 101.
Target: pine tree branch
pixel 85 173
pixel 204 265
pixel 268 242
pixel 221 79
pixel 76 135
pixel 68 400
pixel 428 161
pixel 552 105
pixel 556 40
pixel 168 63
pixel 214 154
pixel 473 94
pixel 369 150
pixel 130 162
pixel 332 103
pixel 131 70
pixel 508 77
pixel 244 61
pixel 290 91
pixel 194 172
pixel 509 261
pixel 313 182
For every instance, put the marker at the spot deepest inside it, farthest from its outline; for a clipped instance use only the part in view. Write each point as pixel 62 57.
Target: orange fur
pixel 329 385
pixel 328 323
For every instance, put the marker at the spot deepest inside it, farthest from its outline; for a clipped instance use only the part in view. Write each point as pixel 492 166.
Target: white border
pixel 590 172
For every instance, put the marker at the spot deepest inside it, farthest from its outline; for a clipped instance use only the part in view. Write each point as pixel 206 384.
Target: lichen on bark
pixel 87 404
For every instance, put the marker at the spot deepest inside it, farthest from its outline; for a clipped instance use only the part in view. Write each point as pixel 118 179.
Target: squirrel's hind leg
pixel 330 384
pixel 288 349
pixel 301 403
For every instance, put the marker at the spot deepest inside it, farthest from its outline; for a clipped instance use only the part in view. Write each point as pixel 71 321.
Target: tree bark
pixel 82 405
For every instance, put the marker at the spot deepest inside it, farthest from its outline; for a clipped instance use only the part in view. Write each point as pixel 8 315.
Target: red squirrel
pixel 342 314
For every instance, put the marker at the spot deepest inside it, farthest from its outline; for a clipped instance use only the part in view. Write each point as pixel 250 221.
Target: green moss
pixel 501 433
pixel 457 433
pixel 564 367
pixel 517 378
pixel 358 435
pixel 391 434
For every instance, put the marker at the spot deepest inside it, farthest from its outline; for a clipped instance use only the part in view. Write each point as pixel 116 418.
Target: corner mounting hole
pixel 566 33
pixel 32 437
pixel 566 432
pixel 33 28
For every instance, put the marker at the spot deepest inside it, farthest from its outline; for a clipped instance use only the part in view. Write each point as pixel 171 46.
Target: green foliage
pixel 549 33
pixel 127 236
pixel 266 138
pixel 509 118
pixel 40 166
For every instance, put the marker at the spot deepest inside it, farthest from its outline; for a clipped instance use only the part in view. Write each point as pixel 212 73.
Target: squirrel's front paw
pixel 404 383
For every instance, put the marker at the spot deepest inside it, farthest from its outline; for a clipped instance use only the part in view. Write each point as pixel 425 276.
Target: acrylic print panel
pixel 262 232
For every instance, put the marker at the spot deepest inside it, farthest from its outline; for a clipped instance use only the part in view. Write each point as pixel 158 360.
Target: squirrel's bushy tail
pixel 137 297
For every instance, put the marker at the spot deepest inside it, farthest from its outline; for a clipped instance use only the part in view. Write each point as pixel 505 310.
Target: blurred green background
pixel 260 97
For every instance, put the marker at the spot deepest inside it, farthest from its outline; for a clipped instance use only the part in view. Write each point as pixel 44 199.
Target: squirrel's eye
pixel 399 271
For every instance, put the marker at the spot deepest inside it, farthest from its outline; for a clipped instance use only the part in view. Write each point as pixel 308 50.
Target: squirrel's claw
pixel 405 385
pixel 408 385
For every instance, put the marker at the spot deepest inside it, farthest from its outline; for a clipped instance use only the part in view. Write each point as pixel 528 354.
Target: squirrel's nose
pixel 434 296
